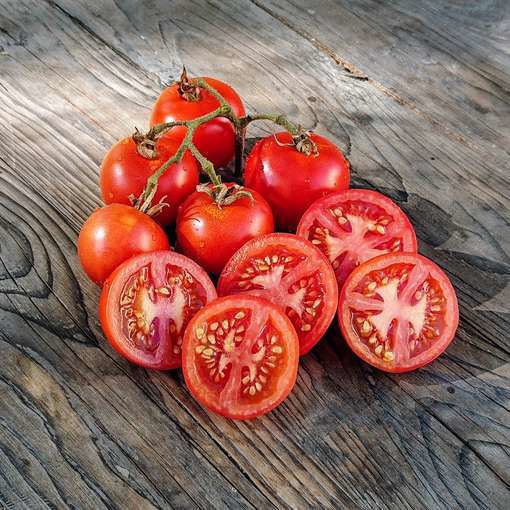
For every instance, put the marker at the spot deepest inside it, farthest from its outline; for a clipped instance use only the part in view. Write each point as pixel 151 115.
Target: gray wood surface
pixel 417 93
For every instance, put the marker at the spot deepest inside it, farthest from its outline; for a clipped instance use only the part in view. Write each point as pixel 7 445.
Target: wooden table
pixel 417 93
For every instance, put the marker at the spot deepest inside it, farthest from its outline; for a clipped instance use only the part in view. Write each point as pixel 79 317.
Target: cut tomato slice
pixel 354 226
pixel 240 356
pixel 146 304
pixel 398 311
pixel 290 272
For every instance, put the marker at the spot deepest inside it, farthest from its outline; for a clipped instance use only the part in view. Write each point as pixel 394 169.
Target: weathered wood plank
pixel 99 433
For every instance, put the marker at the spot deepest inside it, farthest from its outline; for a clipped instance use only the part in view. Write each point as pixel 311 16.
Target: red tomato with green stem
pixel 398 311
pixel 291 180
pixel 113 234
pixel 240 356
pixel 124 173
pixel 210 233
pixel 215 139
pixel 146 304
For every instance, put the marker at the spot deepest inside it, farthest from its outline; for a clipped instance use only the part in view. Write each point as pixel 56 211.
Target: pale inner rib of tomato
pixel 239 352
pixel 397 312
pixel 156 304
pixel 353 232
pixel 288 280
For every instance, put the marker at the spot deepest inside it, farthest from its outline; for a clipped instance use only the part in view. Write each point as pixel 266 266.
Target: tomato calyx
pixel 187 88
pixel 224 195
pixel 302 141
pixel 145 143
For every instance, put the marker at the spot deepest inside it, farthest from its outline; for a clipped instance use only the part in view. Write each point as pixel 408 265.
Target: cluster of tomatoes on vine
pixel 353 253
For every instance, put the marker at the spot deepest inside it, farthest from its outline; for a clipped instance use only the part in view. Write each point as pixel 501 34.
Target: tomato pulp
pixel 355 225
pixel 124 173
pixel 291 180
pixel 113 234
pixel 147 303
pixel 240 356
pixel 293 274
pixel 215 139
pixel 398 311
pixel 210 234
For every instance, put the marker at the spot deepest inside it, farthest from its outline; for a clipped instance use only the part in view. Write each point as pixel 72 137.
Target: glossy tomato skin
pixel 215 139
pixel 146 304
pixel 124 172
pixel 113 234
pixel 290 180
pixel 240 356
pixel 398 311
pixel 291 273
pixel 355 225
pixel 210 234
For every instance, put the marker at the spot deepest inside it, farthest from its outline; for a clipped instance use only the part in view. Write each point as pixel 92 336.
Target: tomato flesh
pixel 291 273
pixel 354 226
pixel 146 304
pixel 240 356
pixel 398 311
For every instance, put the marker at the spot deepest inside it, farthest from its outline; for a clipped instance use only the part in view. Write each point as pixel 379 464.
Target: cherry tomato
pixel 147 303
pixel 356 225
pixel 240 356
pixel 398 311
pixel 210 234
pixel 291 273
pixel 124 172
pixel 291 180
pixel 215 139
pixel 113 234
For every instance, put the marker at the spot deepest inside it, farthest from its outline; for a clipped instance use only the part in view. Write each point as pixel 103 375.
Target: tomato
pixel 211 234
pixel 124 172
pixel 291 180
pixel 398 311
pixel 291 273
pixel 147 303
pixel 355 225
pixel 113 234
pixel 240 356
pixel 215 139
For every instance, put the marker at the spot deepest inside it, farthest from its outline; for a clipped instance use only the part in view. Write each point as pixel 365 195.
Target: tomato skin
pixel 124 172
pixel 110 315
pixel 282 377
pixel 215 139
pixel 114 233
pixel 290 180
pixel 448 308
pixel 210 235
pixel 277 286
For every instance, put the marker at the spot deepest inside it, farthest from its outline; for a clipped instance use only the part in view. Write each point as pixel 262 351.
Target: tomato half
pixel 355 225
pixel 291 180
pixel 113 234
pixel 211 234
pixel 398 311
pixel 147 303
pixel 291 273
pixel 124 172
pixel 240 356
pixel 215 139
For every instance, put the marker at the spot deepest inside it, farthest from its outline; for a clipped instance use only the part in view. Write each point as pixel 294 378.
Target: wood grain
pixel 81 428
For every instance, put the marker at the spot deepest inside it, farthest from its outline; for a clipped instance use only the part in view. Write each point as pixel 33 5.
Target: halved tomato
pixel 354 226
pixel 240 356
pixel 147 303
pixel 290 272
pixel 398 311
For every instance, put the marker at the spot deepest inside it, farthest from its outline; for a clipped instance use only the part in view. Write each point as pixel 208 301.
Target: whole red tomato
pixel 112 235
pixel 124 172
pixel 210 233
pixel 214 139
pixel 291 180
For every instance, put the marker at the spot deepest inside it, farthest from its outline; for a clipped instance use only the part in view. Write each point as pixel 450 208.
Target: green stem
pixel 206 165
pixel 276 118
